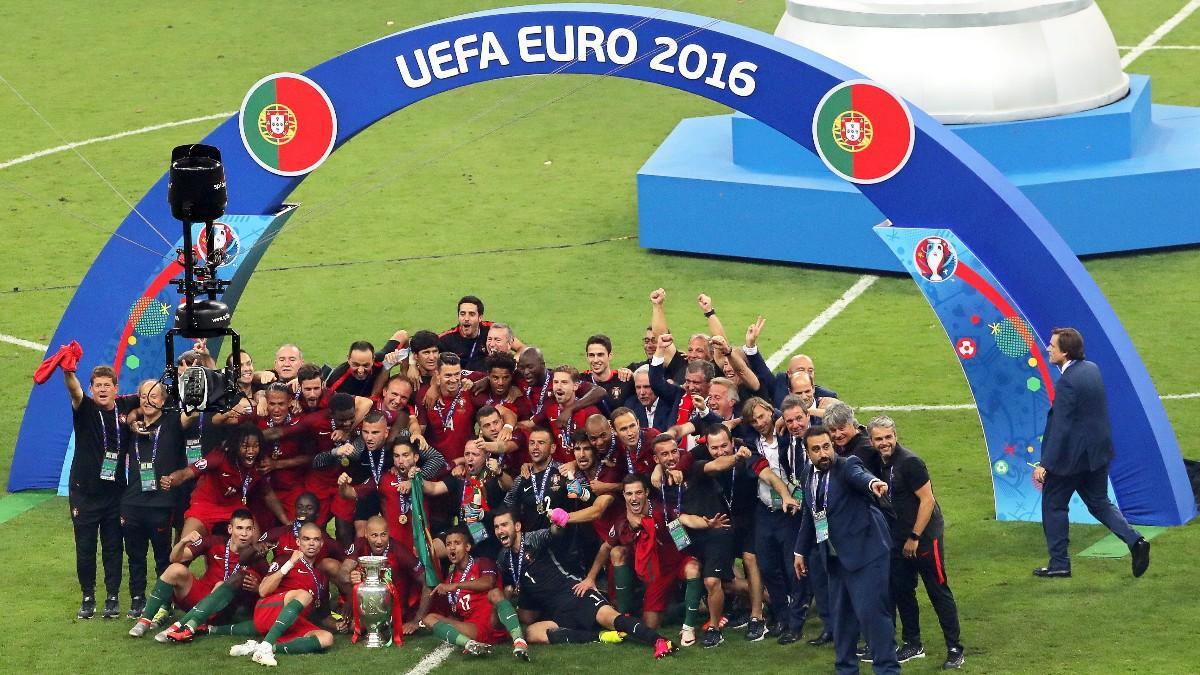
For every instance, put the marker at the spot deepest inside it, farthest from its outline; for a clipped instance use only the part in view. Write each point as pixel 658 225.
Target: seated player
pixel 535 579
pixel 289 593
pixel 407 574
pixel 240 587
pixel 221 562
pixel 284 540
pixel 478 608
pixel 643 534
pixel 227 479
pixel 477 493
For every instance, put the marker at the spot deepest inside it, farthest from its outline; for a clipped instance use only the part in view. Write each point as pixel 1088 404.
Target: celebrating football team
pixel 691 497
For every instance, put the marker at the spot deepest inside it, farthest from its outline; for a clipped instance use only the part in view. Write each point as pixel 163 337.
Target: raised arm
pixel 715 327
pixel 74 388
pixel 658 318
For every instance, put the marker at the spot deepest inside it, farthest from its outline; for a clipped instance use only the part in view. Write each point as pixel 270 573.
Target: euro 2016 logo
pixel 277 124
pixel 935 259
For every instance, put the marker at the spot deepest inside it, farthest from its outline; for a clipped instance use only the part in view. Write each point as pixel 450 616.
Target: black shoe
pixel 909 652
pixel 712 638
pixel 112 608
pixel 137 605
pixel 954 659
pixel 737 620
pixel 788 636
pixel 756 630
pixel 87 608
pixel 1141 556
pixel 1047 573
pixel 863 653
pixel 821 640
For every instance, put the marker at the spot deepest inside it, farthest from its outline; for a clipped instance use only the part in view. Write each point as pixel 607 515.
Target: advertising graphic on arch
pixel 288 124
pixel 863 133
pixel 890 152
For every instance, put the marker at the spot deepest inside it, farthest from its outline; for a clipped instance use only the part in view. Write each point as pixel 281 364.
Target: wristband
pixel 709 313
pixel 287 567
pixel 507 426
pixel 914 536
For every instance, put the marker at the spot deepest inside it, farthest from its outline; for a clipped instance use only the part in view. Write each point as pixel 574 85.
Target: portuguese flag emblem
pixel 862 132
pixel 288 124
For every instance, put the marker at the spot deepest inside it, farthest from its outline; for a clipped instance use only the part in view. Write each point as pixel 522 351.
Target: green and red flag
pixel 288 124
pixel 862 132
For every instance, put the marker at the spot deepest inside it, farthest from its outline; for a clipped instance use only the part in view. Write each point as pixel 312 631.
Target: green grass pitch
pixel 395 227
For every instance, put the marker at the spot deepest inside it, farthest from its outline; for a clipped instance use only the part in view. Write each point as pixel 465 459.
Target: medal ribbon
pixel 539 492
pixel 448 417
pixel 376 469
pixel 456 594
pixel 287 422
pixel 541 396
pixel 316 581
pixel 516 564
pixel 228 555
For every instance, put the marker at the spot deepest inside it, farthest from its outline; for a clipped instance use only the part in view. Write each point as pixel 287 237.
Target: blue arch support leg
pixel 943 184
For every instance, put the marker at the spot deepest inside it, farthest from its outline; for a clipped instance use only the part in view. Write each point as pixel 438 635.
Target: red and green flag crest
pixel 863 132
pixel 288 124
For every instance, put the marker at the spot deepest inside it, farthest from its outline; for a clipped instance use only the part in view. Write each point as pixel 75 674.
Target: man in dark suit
pixel 842 525
pixel 1076 450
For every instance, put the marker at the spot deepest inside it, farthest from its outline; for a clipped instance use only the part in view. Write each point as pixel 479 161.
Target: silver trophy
pixel 374 601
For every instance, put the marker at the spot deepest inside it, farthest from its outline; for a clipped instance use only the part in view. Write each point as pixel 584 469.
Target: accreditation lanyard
pixel 108 467
pixel 149 481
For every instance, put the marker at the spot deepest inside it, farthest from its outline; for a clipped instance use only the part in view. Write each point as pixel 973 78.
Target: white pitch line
pixel 1159 33
pixel 916 407
pixel 13 340
pixel 432 660
pixel 1169 47
pixel 864 282
pixel 111 137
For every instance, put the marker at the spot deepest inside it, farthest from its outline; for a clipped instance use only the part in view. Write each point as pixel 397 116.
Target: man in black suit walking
pixel 1076 450
pixel 842 525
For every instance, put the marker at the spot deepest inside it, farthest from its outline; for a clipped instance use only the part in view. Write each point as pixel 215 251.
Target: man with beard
pixel 448 422
pixel 564 415
pixel 395 489
pixel 534 495
pixel 536 579
pixel 617 383
pixel 481 614
pixel 917 533
pixel 226 480
pixel 499 390
pixel 284 540
pixel 358 375
pixel 642 534
pixel 290 592
pixel 534 383
pixel 477 493
pixel 468 339
pixel 850 438
pixel 842 523
pixel 498 439
pixel 221 562
pixel 407 573
pixel 365 459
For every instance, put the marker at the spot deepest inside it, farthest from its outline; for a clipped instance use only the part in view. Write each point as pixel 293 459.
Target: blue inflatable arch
pixel 945 184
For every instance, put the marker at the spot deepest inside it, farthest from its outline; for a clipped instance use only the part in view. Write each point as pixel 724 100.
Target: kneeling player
pixel 656 560
pixel 535 577
pixel 475 602
pixel 221 563
pixel 407 573
pixel 289 593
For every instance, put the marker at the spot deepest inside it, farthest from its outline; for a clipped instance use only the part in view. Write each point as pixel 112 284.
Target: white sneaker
pixel 139 627
pixel 245 649
pixel 687 636
pixel 264 654
pixel 161 636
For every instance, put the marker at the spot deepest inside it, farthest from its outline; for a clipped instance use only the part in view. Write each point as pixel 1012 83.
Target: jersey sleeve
pixel 486 567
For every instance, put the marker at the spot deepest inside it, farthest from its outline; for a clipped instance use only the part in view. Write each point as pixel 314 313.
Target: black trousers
pixel 775 542
pixel 89 517
pixel 142 528
pixel 930 565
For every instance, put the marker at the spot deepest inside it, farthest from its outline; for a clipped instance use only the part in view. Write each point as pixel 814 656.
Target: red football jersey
pixel 449 423
pixel 282 541
pixel 463 602
pixel 223 484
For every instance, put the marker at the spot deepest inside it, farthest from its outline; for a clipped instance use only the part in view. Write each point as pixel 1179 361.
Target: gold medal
pixel 541 508
pixel 403 519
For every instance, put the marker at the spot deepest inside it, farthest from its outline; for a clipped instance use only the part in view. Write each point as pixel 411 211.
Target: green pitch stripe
pixel 19 502
pixel 261 98
pixel 836 105
pixel 1112 547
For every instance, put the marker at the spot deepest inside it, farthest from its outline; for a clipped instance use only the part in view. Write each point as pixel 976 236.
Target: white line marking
pixel 864 282
pixel 1173 397
pixel 1177 47
pixel 432 660
pixel 111 137
pixel 13 340
pixel 917 407
pixel 1159 33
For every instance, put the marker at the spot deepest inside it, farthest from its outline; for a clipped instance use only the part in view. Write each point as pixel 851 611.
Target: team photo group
pixel 460 484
